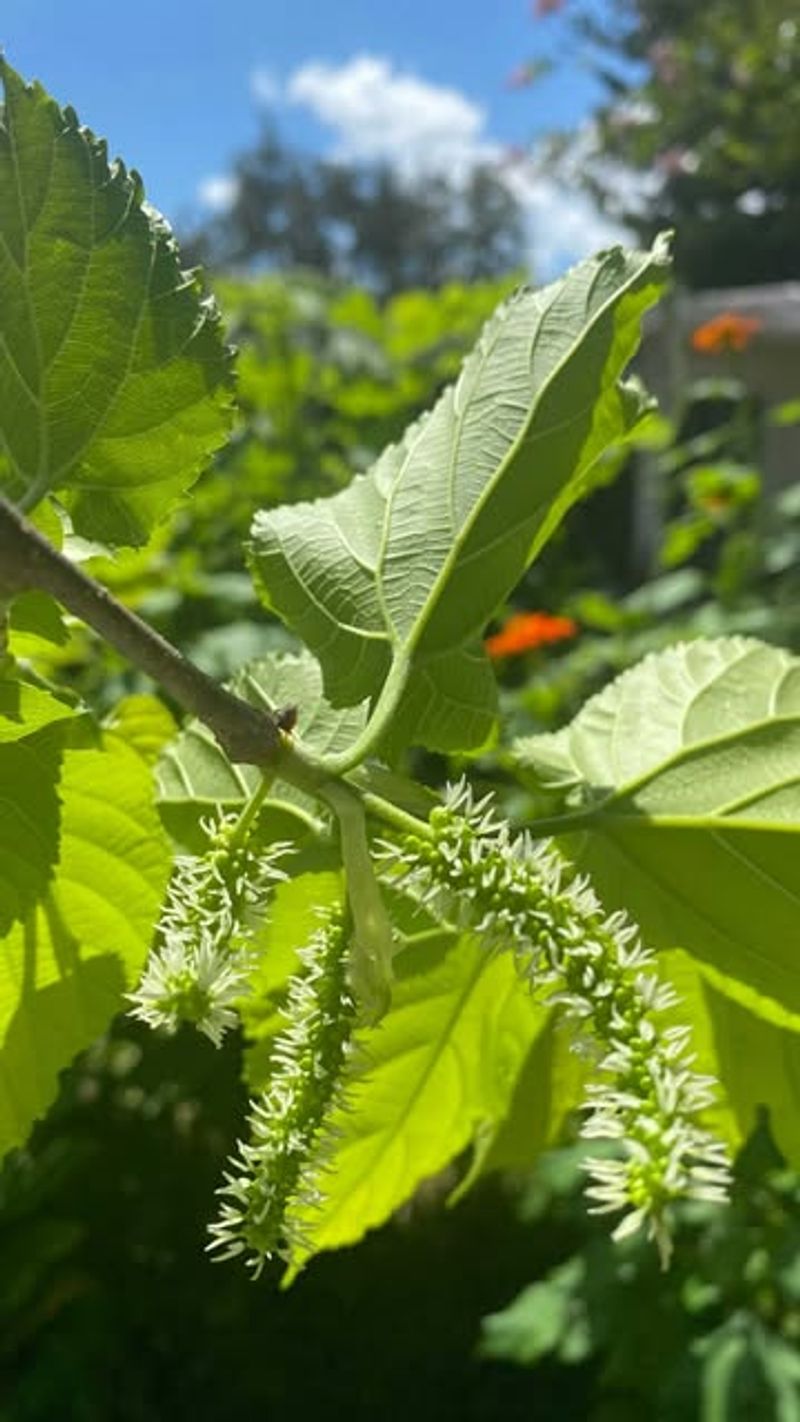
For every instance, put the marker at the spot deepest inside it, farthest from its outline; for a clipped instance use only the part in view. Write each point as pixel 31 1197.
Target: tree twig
pixel 247 735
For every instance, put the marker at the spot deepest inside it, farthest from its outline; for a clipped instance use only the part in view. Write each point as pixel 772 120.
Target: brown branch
pixel 27 561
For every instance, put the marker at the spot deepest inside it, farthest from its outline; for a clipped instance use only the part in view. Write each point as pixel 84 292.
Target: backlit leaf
pixel 405 566
pixel 114 379
pixel 194 774
pixel 684 776
pixel 25 709
pixel 65 969
pixel 439 1070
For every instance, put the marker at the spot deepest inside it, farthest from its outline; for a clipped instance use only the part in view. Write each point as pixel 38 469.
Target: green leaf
pixel 786 414
pixel 549 1087
pixel 747 1371
pixel 25 709
pixel 114 379
pixel 63 972
pixel 406 566
pixel 194 774
pixel 541 1318
pixel 36 627
pixel 757 1062
pixel 449 704
pixel 35 614
pixel 439 1069
pixel 293 918
pixel 144 723
pixel 29 820
pixel 684 775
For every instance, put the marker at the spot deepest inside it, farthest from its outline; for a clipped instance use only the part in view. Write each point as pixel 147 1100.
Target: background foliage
pixel 694 131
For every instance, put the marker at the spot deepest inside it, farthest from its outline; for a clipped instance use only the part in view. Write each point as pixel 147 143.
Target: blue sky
pixel 176 87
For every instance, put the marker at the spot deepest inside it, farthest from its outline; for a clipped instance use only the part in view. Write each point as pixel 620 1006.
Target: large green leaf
pixel 438 1071
pixel 114 379
pixel 756 1062
pixel 402 570
pixel 144 723
pixel 294 916
pixel 64 970
pixel 684 777
pixel 550 1087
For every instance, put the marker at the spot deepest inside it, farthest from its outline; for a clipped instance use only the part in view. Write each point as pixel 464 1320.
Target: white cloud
pixel 563 224
pixel 265 86
pixel 378 113
pixel 218 192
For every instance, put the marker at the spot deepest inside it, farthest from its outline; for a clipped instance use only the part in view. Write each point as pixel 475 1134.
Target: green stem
pixel 393 816
pixel 5 627
pixel 405 823
pixel 33 496
pixel 378 723
pixel 252 808
pixel 373 947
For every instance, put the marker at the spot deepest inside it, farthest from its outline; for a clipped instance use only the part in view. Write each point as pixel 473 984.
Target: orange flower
pixel 727 332
pixel 525 630
pixel 714 503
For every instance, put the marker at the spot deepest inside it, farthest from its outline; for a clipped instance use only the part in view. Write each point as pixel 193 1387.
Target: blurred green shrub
pixel 715 1339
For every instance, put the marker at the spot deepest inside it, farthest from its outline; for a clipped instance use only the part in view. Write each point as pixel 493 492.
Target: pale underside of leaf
pixel 684 775
pixel 408 563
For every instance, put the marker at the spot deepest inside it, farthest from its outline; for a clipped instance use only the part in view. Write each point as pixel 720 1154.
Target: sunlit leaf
pixel 439 1070
pixel 25 709
pixel 30 769
pixel 114 379
pixel 405 567
pixel 756 1062
pixel 65 969
pixel 684 778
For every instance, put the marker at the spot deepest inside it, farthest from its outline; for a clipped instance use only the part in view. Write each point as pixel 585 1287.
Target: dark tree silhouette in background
pixel 699 130
pixel 363 223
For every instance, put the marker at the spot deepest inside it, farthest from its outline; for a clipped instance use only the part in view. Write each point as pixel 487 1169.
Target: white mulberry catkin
pixel 523 895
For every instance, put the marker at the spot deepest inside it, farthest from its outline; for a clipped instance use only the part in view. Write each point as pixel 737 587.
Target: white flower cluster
pixel 522 894
pixel 203 957
pixel 276 1172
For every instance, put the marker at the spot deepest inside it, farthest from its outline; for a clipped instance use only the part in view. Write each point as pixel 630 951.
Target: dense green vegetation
pixel 358 636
